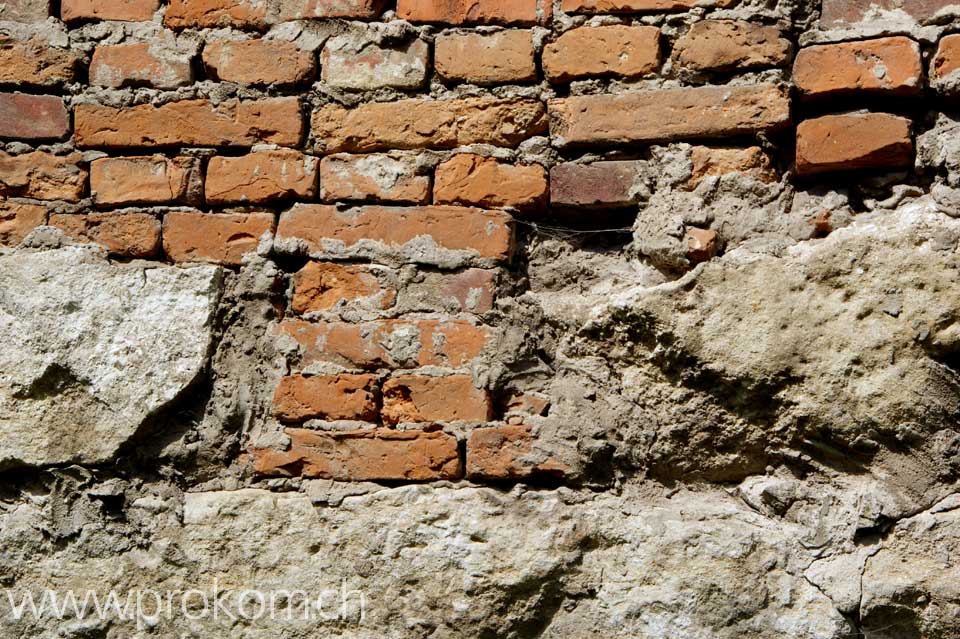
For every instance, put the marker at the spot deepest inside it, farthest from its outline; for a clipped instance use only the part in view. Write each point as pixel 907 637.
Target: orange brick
pixel 146 180
pixel 441 124
pixel 388 343
pixel 320 286
pixel 724 45
pixel 126 234
pixel 419 398
pixel 853 141
pixel 668 114
pixel 373 178
pixel 306 9
pixel 125 10
pixel 259 62
pixel 42 176
pixel 475 180
pixel 324 231
pixel 262 176
pixel 190 123
pixel 615 50
pixel 331 397
pixel 17 220
pixel 33 117
pixel 946 62
pixel 221 238
pixel 381 454
pixel 486 58
pixel 457 12
pixel 752 162
pixel 507 452
pixel 884 65
pixel 36 63
pixel 139 64
pixel 636 6
pixel 356 61
pixel 701 244
pixel 251 14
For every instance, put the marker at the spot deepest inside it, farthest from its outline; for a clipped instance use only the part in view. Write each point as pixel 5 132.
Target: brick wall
pixel 393 157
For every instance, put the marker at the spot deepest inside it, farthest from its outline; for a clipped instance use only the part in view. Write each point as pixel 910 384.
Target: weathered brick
pixel 486 58
pixel 457 12
pixel 17 220
pixel 32 117
pixel 441 124
pixel 751 162
pixel 613 183
pixel 353 61
pixel 331 397
pixel 381 454
pixel 25 10
pixel 883 65
pixel 139 64
pixel 221 238
pixel 616 50
pixel 475 180
pixel 725 45
pixel 126 234
pixel 125 10
pixel 190 123
pixel 701 244
pixel 637 6
pixel 259 62
pixel 286 10
pixel 373 178
pixel 262 176
pixel 471 290
pixel 250 14
pixel 507 452
pixel 36 63
pixel 946 63
pixel 528 403
pixel 146 180
pixel 388 343
pixel 42 176
pixel 840 12
pixel 668 114
pixel 414 233
pixel 420 398
pixel 853 141
pixel 320 286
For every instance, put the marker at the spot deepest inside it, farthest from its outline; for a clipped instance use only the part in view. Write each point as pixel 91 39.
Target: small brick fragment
pixel 134 235
pixel 479 181
pixel 751 162
pixel 32 117
pixel 529 404
pixel 701 244
pixel 146 180
pixel 616 50
pixel 259 62
pixel 320 286
pixel 139 64
pixel 331 397
pixel 420 398
pixel 486 58
pixel 356 62
pixel 381 454
pixel 373 178
pixel 636 6
pixel 25 10
pixel 189 123
pixel 220 238
pixel 612 183
pixel 507 452
pixel 946 63
pixel 416 123
pixel 122 10
pixel 725 45
pixel 36 63
pixel 883 65
pixel 460 12
pixel 260 177
pixel 18 220
pixel 853 141
pixel 42 176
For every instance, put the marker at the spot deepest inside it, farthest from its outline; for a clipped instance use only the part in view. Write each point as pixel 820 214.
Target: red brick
pixel 508 452
pixel 471 290
pixel 701 244
pixel 853 141
pixel 475 180
pixel 331 397
pixel 945 63
pixel 221 238
pixel 262 176
pixel 417 123
pixel 668 114
pixel 126 234
pixel 529 404
pixel 457 12
pixel 353 61
pixel 36 63
pixel 840 12
pixel 725 45
pixel 320 286
pixel 373 178
pixel 32 117
pixel 190 123
pixel 25 10
pixel 126 10
pixel 146 180
pixel 259 62
pixel 42 176
pixel 305 9
pixel 616 50
pixel 388 343
pixel 419 398
pixel 613 183
pixel 242 14
pixel 636 6
pixel 139 64
pixel 884 65
pixel 17 220
pixel 712 161
pixel 396 231
pixel 382 454
pixel 486 58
